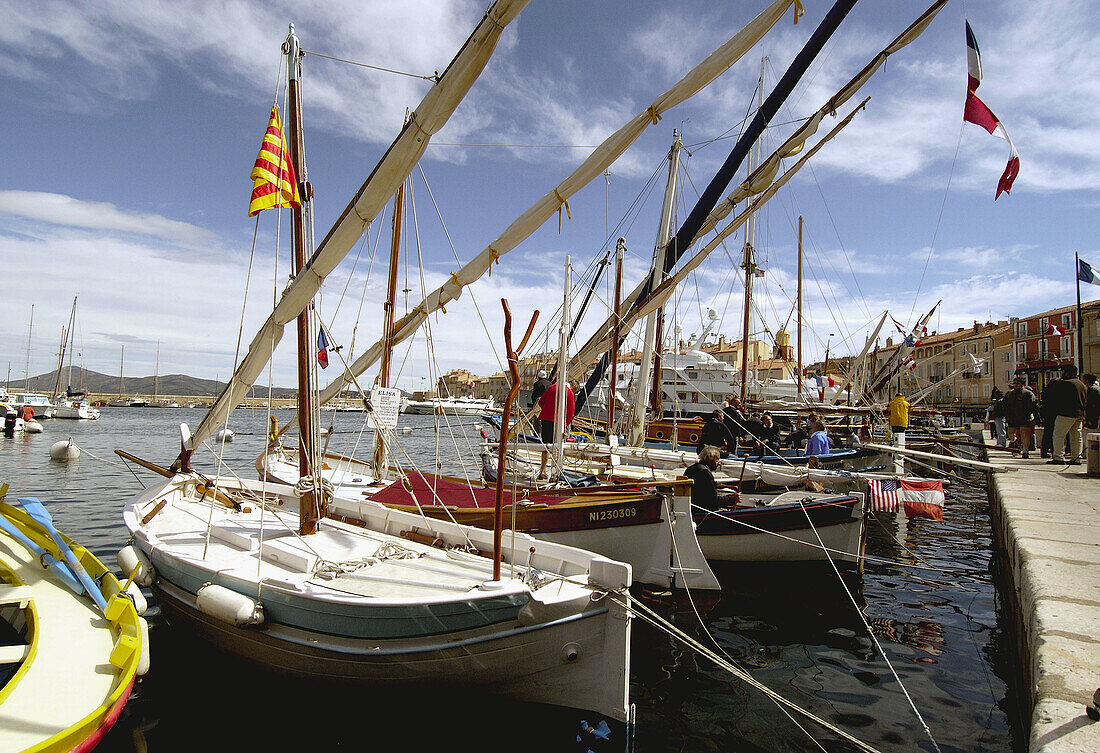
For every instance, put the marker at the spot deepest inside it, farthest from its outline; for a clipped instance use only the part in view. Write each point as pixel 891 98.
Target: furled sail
pixel 602 157
pixel 395 165
pixel 762 179
pixel 644 305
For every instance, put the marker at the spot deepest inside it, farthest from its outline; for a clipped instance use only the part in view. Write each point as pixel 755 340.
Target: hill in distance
pixel 104 384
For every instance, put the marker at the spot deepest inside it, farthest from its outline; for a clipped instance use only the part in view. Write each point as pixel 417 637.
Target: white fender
pixel 64 450
pixel 229 606
pixel 129 558
pixel 143 660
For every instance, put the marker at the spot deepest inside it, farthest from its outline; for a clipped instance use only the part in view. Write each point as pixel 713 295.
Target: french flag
pixel 322 348
pixel 977 113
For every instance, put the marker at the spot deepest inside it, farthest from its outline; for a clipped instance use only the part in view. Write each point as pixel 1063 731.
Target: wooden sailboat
pixel 260 569
pixel 636 526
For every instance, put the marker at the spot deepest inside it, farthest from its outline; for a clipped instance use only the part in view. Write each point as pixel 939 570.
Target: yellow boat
pixel 70 664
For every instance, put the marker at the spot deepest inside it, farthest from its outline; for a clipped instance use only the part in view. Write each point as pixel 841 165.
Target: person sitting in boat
pixel 704 488
pixel 818 443
pixel 27 413
pixel 548 407
pixel 716 434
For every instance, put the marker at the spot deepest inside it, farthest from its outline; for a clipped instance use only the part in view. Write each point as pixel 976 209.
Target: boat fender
pixel 134 594
pixel 32 427
pixel 64 450
pixel 143 658
pixel 229 606
pixel 133 560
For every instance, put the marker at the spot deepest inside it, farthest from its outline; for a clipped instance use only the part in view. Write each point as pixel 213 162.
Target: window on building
pixel 1067 320
pixel 1021 351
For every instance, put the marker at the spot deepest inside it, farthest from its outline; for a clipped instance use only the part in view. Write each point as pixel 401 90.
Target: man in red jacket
pixel 548 406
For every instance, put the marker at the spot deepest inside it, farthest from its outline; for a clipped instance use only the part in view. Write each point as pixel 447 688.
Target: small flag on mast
pixel 275 184
pixel 977 113
pixel 322 348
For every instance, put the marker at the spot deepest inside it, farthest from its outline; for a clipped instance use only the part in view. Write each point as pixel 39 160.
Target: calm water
pixel 941 626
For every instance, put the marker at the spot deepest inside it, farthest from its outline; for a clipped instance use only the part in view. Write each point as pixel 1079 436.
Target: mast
pixel 620 248
pixel 750 240
pixel 156 374
pixel 641 399
pixel 563 362
pixel 1080 330
pixel 799 377
pixel 387 318
pixel 27 368
pixel 311 505
pixel 121 367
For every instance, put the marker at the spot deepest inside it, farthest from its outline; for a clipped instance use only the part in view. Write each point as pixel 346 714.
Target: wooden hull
pixel 78 666
pixel 375 604
pixel 786 531
pixel 621 522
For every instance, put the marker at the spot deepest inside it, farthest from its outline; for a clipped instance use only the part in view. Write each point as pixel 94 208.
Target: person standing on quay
pixel 1020 412
pixel 899 414
pixel 997 417
pixel 1069 412
pixel 1047 416
pixel 1092 401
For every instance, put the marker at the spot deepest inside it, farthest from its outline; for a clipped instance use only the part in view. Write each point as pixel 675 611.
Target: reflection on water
pixel 926 599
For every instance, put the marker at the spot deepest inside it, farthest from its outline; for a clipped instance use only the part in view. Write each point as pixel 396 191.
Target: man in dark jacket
pixel 1047 416
pixel 1069 413
pixel 704 489
pixel 716 434
pixel 1092 401
pixel 1020 411
pixel 538 389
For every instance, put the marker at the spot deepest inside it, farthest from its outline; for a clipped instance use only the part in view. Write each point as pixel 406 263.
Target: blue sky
pixel 130 130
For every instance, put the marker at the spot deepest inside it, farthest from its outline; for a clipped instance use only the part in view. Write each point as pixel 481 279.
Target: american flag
pixel 884 495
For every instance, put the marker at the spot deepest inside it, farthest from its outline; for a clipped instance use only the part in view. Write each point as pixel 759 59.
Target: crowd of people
pixel 1065 408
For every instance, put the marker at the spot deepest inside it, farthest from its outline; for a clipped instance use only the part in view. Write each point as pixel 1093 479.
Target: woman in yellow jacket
pixel 899 414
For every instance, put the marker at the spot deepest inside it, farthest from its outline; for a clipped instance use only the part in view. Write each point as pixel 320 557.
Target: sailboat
pixel 71 403
pixel 396 598
pixel 624 523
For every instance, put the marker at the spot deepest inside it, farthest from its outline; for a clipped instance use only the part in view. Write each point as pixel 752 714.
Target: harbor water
pixel 917 654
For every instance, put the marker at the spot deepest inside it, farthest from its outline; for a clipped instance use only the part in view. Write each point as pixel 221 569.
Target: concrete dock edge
pixel 1047 519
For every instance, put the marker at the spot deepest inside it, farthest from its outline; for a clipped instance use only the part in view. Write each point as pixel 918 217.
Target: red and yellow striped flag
pixel 275 184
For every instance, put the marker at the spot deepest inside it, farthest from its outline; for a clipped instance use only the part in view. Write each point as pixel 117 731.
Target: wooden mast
pixel 620 248
pixel 310 507
pixel 748 264
pixel 387 317
pixel 799 376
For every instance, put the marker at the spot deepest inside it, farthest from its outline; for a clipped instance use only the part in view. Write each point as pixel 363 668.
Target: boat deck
pixel 70 677
pixel 340 559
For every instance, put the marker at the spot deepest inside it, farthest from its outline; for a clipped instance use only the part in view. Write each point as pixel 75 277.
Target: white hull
pixel 457 407
pixel 436 619
pixel 659 553
pixel 79 410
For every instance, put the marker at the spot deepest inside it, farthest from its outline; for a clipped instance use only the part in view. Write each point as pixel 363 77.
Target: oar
pixel 57 568
pixel 39 512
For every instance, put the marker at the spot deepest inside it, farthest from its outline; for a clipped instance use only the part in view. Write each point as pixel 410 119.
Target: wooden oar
pixel 42 516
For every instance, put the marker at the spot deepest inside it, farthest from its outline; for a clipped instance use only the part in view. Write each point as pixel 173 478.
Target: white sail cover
pixel 601 158
pixel 431 115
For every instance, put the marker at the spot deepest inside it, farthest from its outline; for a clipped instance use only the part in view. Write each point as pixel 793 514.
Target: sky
pixel 130 130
